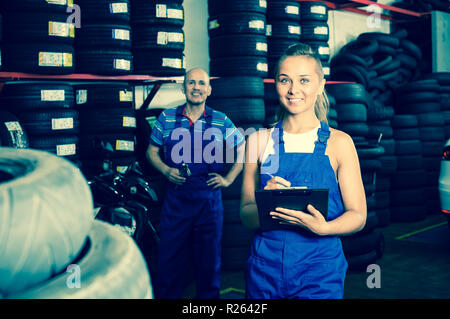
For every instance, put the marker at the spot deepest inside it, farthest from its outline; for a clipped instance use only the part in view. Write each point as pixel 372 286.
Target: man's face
pixel 196 87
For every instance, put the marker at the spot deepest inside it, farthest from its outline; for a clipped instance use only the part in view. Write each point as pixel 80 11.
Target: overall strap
pixel 323 134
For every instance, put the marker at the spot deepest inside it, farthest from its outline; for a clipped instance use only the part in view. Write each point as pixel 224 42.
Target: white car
pixel 444 181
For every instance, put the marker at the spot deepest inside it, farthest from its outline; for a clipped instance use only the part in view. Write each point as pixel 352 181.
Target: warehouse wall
pixel 344 26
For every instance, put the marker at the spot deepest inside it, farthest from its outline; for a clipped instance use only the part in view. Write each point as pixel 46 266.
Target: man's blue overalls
pixel 192 214
pixel 291 264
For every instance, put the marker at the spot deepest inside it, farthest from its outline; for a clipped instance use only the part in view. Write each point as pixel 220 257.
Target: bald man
pixel 192 136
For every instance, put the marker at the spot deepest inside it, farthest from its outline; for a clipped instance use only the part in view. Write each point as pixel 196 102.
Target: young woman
pixel 301 150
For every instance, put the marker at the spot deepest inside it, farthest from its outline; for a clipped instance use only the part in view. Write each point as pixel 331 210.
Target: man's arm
pixel 171 173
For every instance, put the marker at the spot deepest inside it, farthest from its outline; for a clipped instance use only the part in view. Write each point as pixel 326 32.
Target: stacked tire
pixel 237 33
pixel 47 114
pixel 443 79
pixel 282 29
pixel 107 120
pixel 158 37
pixel 422 98
pixel 407 184
pixel 315 30
pixel 52 243
pixel 37 37
pixel 103 43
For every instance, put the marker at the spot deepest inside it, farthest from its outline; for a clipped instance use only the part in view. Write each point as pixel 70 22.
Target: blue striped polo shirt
pixel 165 124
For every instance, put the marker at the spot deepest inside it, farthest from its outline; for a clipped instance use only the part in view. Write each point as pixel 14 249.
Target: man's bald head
pixel 197 72
pixel 196 86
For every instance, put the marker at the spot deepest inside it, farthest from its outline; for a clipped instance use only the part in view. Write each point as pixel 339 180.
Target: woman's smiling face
pixel 298 84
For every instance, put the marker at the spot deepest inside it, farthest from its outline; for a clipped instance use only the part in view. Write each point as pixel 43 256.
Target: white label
pixel 13 126
pixel 52 95
pixel 268 30
pixel 323 50
pixel 263 3
pixel 50 59
pixel 122 145
pixel 175 14
pixel 161 11
pixel 175 37
pixel 61 29
pixel 125 96
pixel 161 38
pixel 320 30
pixel 326 70
pixel 121 34
pixel 172 63
pixel 291 10
pixel 81 96
pixel 262 67
pixel 261 46
pixel 129 121
pixel 122 64
pixel 318 9
pixel 213 24
pixel 256 24
pixel 60 2
pixel 294 29
pixel 62 123
pixel 121 169
pixel 65 149
pixel 118 7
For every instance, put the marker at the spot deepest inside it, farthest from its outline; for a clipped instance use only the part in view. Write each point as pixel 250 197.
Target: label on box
pixel 129 121
pixel 52 95
pixel 172 63
pixel 65 149
pixel 121 34
pixel 61 29
pixel 125 96
pixel 118 7
pixel 50 59
pixel 256 24
pixel 62 123
pixel 122 64
pixel 81 96
pixel 122 145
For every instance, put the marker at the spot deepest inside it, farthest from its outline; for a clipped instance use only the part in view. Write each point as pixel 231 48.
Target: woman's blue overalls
pixel 191 220
pixel 290 264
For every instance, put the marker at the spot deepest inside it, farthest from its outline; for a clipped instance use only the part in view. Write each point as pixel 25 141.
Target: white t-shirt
pixel 293 143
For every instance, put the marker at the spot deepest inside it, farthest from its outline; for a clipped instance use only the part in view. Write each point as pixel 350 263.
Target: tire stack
pixel 47 114
pixel 103 43
pixel 237 21
pixel 107 117
pixel 37 37
pixel 158 37
pixel 422 98
pixel 443 78
pixel 315 30
pixel 52 248
pixel 282 29
pixel 407 184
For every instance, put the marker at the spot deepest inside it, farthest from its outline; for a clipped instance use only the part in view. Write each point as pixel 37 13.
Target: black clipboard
pixel 296 199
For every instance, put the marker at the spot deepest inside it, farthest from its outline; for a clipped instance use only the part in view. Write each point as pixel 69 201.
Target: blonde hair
pixel 322 103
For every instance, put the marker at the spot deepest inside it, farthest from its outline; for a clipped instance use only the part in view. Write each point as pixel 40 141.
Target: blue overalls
pixel 191 220
pixel 298 264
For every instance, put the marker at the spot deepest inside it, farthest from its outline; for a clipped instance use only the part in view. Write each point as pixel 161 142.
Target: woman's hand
pixel 277 182
pixel 313 220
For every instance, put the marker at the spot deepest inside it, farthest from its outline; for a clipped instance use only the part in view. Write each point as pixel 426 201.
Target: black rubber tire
pixel 217 7
pixel 431 119
pixel 107 254
pixel 240 110
pixel 404 121
pixel 407 61
pixel 353 73
pixel 283 30
pixel 35 5
pixel 22 96
pixel 348 92
pixel 402 197
pixel 42 58
pixel 411 48
pixel 159 63
pixel 123 145
pixel 369 151
pixel 359 244
pixel 355 128
pixel 321 48
pixel 313 10
pixel 382 38
pixel 408 179
pixel 360 262
pixel 104 62
pixel 50 122
pixel 363 48
pixel 418 108
pixel 158 37
pixel 346 59
pixel 95 167
pixel 63 145
pixel 237 45
pixel 314 31
pixel 277 46
pixel 163 12
pixel 283 10
pixel 407 133
pixel 428 85
pixel 237 23
pixel 23 27
pixel 114 121
pixel 376 128
pixel 12 133
pixel 388 164
pixel 103 36
pixel 384 217
pixel 50 205
pixel 238 86
pixel 351 112
pixel 236 66
pixel 408 147
pixel 104 95
pixel 103 11
pixel 432 133
pixel 432 148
